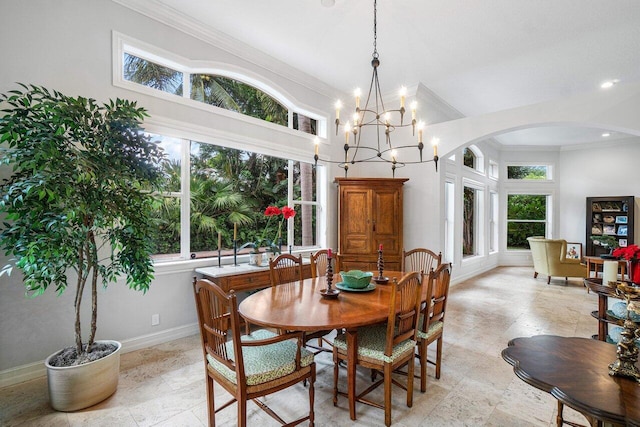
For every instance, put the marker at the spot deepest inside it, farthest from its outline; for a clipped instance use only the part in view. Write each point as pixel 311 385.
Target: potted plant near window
pixel 78 212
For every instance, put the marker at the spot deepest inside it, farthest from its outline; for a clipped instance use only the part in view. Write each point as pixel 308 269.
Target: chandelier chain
pixel 375 29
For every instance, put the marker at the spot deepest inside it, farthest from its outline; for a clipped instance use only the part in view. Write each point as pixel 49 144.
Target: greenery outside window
pixel 237 96
pixel 227 187
pixel 527 215
pixel 153 75
pixel 529 172
pixel 469 158
pixel 471 221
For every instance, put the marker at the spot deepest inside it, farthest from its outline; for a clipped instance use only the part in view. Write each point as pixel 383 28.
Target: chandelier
pixel 375 118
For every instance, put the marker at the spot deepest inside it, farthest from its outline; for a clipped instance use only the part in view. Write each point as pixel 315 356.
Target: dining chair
pixel 431 323
pixel 385 347
pixel 285 268
pixel 288 268
pixel 250 366
pixel 420 259
pixel 319 261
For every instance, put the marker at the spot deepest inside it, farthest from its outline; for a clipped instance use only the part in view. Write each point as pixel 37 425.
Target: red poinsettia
pixel 630 253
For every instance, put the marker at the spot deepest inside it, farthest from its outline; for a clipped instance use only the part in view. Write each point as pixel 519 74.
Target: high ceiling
pixel 477 56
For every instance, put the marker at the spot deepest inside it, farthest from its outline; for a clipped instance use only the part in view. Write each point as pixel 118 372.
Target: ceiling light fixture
pixel 609 83
pixel 606 134
pixel 375 117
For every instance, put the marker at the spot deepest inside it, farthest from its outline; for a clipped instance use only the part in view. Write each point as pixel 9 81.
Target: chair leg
pixel 438 357
pixel 559 420
pixel 312 382
pixel 336 369
pixel 548 279
pixel 410 375
pixel 535 274
pixel 422 352
pixel 210 402
pixel 387 394
pixel 242 411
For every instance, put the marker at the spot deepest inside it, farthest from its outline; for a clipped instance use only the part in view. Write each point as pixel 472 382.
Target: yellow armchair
pixel 550 258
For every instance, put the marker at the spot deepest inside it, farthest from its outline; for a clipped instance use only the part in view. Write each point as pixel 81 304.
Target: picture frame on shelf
pixel 622 230
pixel 622 243
pixel 574 250
pixel 596 229
pixel 621 219
pixel 611 229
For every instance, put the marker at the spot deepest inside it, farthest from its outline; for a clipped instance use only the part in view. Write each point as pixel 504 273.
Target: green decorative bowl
pixel 356 279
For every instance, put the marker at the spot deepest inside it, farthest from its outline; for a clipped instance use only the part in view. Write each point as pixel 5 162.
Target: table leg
pixel 352 345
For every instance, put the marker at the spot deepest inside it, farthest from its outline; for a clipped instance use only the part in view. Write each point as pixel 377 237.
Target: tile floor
pixel 164 385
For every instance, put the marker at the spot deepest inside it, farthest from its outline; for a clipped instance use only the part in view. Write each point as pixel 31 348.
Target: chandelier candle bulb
pixel 403 94
pixel 316 142
pixel 414 106
pixel 435 142
pixel 338 107
pixel 357 94
pixel 347 129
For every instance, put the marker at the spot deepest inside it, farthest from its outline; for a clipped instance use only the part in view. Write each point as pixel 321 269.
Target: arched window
pixel 219 193
pixel 469 158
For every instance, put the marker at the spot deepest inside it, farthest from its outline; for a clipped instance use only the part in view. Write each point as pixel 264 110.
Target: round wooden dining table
pixel 299 306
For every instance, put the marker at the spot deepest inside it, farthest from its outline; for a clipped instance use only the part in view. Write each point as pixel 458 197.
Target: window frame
pixel 548 221
pixel 479 231
pixel 549 176
pixel 124 44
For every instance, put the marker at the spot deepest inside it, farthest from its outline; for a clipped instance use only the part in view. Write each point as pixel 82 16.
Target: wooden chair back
pixel 404 309
pixel 420 259
pixel 285 268
pixel 319 263
pixel 434 308
pixel 219 321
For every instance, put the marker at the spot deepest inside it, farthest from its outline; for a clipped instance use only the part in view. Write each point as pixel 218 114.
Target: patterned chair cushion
pixel 434 328
pixel 264 363
pixel 371 343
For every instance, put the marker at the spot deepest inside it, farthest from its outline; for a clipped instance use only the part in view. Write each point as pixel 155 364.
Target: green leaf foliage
pixel 79 196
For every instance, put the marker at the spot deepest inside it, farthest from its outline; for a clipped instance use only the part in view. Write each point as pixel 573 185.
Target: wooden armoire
pixel 369 215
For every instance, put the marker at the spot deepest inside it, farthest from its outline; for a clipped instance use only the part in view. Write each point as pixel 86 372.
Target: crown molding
pixel 159 12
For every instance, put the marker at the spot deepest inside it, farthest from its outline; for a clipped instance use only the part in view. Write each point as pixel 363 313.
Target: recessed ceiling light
pixel 609 83
pixel 606 134
pixel 328 3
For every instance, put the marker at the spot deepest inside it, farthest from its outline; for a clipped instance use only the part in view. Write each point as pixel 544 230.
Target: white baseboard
pixel 35 370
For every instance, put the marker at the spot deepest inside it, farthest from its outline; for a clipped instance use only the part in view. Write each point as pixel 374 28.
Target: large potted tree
pixel 77 209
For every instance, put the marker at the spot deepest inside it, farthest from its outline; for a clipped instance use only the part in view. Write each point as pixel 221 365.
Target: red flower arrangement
pixel 270 212
pixel 630 253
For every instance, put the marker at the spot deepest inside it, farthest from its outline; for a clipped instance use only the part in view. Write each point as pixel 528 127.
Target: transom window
pixel 529 172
